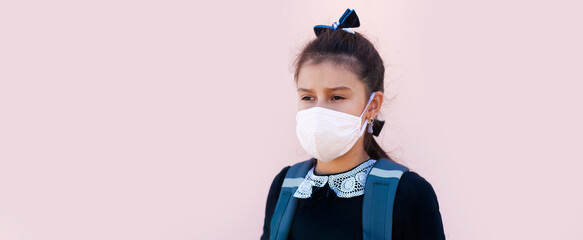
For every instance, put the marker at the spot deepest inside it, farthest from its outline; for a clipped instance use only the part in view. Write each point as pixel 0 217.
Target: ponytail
pixel 372 148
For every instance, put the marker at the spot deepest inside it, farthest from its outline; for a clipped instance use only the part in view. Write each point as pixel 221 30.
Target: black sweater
pixel 324 216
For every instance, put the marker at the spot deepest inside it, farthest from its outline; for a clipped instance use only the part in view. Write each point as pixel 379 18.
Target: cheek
pixel 303 105
pixel 345 106
pixel 353 107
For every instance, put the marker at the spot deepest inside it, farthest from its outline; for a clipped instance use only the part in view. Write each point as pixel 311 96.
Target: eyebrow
pixel 327 89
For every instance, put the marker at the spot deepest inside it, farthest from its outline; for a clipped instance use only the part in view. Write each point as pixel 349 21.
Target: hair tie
pixel 347 20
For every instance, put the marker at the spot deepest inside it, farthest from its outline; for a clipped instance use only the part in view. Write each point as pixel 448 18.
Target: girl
pixel 339 78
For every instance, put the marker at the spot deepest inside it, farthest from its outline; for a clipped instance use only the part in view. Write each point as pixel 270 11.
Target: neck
pixel 356 155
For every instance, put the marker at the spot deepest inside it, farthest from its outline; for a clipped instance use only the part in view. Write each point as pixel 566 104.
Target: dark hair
pixel 357 54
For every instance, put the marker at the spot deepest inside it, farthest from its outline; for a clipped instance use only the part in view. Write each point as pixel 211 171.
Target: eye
pixel 306 98
pixel 338 97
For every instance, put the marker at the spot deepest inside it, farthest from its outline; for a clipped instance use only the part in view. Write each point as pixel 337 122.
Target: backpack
pixel 377 206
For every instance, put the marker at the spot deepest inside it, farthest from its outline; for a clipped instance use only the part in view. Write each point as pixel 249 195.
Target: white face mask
pixel 327 134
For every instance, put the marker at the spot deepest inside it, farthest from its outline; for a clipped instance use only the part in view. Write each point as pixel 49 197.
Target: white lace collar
pixel 345 185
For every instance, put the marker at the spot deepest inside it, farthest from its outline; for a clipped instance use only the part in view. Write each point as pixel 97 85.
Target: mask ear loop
pixel 363 127
pixel 369 100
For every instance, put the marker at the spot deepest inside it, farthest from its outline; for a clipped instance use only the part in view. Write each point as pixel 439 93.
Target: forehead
pixel 327 75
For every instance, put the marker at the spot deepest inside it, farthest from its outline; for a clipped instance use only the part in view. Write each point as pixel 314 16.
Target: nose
pixel 320 103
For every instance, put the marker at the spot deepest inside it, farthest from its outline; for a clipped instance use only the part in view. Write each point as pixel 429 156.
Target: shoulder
pixel 415 187
pixel 272 197
pixel 416 214
pixel 275 188
pixel 278 180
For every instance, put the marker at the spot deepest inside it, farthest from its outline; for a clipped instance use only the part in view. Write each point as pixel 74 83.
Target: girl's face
pixel 334 87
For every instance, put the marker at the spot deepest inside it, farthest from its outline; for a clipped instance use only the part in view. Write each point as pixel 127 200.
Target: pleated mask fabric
pixel 326 134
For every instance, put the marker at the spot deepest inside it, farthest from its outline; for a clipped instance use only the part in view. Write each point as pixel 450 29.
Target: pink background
pixel 169 119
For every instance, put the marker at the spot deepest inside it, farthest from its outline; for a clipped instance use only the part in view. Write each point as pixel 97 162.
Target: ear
pixel 375 105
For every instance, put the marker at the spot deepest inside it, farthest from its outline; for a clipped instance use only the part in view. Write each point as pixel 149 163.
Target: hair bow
pixel 377 126
pixel 347 20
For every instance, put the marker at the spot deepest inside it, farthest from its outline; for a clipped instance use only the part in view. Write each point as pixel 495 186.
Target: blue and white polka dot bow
pixel 347 20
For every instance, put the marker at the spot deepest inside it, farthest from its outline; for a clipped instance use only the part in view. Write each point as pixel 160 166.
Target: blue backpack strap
pixel 286 203
pixel 379 198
